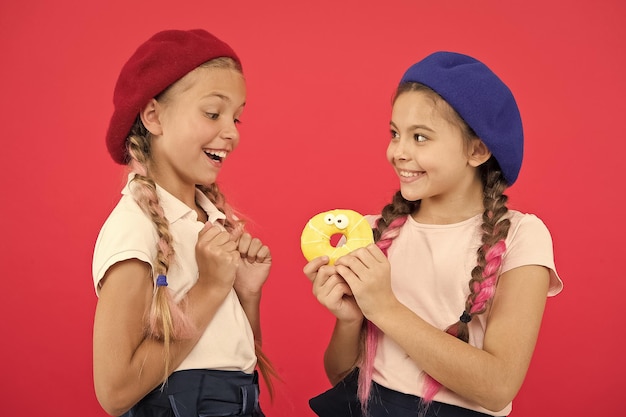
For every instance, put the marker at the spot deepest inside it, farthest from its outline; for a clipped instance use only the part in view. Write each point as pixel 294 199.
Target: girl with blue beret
pixel 441 315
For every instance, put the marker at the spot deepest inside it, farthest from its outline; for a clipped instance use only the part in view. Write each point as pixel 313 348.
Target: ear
pixel 478 153
pixel 150 117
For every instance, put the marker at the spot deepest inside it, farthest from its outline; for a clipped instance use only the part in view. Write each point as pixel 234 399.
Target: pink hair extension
pixel 484 291
pixel 164 311
pixel 392 232
pixel 431 387
pixel 147 196
pixel 367 366
pixel 181 325
pixel 137 167
pixel 165 248
pixel 371 338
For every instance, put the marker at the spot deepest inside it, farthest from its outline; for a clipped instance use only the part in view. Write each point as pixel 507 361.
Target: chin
pixel 410 195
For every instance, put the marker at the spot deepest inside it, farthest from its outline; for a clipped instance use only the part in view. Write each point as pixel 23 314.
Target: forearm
pixel 490 376
pixel 472 373
pixel 251 304
pixel 342 352
pixel 125 372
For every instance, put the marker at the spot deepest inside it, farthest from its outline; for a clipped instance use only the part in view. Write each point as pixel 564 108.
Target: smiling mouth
pixel 409 174
pixel 218 156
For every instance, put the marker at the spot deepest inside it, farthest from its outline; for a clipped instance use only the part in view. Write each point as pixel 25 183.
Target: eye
pixel 329 219
pixel 420 138
pixel 237 121
pixel 341 221
pixel 394 134
pixel 213 116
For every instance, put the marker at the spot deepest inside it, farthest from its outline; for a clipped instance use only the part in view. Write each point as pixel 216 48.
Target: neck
pixel 451 209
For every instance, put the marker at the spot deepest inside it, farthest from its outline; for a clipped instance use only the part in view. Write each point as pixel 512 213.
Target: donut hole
pixel 336 239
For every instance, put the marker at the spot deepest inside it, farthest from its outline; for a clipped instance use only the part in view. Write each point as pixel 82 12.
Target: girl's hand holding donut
pixel 254 268
pixel 368 273
pixel 217 257
pixel 316 237
pixel 332 291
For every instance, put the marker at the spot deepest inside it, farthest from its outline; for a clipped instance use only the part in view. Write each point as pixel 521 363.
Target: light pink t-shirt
pixel 430 271
pixel 228 341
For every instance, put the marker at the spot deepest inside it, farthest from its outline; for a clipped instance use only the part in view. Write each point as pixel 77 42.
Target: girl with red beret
pixel 440 317
pixel 177 328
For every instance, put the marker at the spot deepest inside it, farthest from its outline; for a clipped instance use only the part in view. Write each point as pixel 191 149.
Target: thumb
pixel 236 233
pixel 206 227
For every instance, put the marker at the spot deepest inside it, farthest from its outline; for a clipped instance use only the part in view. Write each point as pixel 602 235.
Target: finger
pixel 376 253
pixel 253 250
pixel 229 246
pixel 324 284
pixel 249 247
pixel 314 265
pixel 207 226
pixel 324 274
pixel 244 243
pixel 208 235
pixel 353 261
pixel 348 275
pixel 223 238
pixel 263 254
pixel 236 233
pixel 340 284
pixel 366 257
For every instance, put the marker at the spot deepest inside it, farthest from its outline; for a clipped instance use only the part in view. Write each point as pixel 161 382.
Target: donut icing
pixel 315 238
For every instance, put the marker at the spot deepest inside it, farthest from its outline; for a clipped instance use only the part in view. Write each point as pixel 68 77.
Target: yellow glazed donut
pixel 315 239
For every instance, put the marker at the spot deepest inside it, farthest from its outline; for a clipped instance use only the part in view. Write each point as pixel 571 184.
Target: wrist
pixel 350 323
pixel 248 297
pixel 211 289
pixel 387 311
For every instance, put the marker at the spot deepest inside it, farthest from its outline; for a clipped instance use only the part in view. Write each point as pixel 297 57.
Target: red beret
pixel 158 63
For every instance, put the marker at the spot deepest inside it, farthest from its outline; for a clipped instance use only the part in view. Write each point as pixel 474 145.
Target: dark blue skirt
pixel 342 401
pixel 202 393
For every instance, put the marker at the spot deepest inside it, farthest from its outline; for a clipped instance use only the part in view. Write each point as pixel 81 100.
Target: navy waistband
pixel 341 400
pixel 195 392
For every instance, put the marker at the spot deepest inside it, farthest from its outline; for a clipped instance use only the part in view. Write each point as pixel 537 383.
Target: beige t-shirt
pixel 228 341
pixel 430 271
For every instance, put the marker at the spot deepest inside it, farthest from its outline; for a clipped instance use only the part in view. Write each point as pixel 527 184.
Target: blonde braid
pixel 166 320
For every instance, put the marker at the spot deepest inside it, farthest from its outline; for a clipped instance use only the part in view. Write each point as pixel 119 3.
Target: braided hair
pixel 167 319
pixel 483 278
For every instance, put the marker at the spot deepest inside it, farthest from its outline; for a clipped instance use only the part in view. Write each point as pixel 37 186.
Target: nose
pixel 230 131
pixel 399 149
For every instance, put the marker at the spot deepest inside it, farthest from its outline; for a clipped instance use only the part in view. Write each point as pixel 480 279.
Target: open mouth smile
pixel 216 155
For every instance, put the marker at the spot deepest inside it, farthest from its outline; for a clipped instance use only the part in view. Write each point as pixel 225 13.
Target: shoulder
pixel 126 234
pixel 527 224
pixel 127 218
pixel 530 243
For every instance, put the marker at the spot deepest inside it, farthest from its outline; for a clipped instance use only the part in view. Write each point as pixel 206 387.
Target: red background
pixel 320 78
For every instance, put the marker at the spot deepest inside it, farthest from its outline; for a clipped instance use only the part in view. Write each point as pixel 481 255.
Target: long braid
pixel 166 320
pixel 484 276
pixel 393 216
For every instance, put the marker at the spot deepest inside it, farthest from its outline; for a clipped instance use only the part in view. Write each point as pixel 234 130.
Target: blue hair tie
pixel 465 317
pixel 161 281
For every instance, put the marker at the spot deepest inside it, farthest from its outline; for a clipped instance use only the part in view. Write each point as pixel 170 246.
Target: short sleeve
pixel 126 234
pixel 530 243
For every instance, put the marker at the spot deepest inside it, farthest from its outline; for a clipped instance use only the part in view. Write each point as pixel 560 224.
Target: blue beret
pixel 481 99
